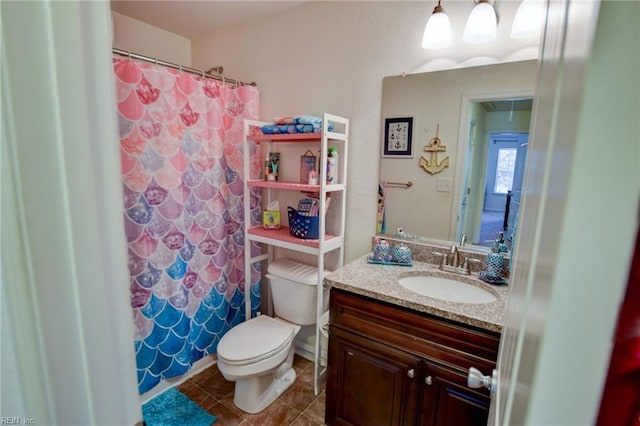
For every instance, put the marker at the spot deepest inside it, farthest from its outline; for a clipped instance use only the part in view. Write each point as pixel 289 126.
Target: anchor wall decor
pixel 434 146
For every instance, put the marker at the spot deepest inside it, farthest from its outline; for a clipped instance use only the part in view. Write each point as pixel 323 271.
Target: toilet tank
pixel 293 289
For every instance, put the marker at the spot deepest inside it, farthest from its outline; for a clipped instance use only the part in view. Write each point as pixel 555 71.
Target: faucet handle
pixel 443 261
pixel 467 261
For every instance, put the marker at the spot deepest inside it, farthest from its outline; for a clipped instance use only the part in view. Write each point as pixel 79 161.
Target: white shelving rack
pixel 339 137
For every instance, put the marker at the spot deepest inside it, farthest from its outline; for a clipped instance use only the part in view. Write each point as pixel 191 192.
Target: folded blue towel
pixel 272 129
pixel 299 119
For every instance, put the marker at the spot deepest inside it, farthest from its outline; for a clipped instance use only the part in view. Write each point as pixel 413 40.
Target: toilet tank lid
pixel 295 271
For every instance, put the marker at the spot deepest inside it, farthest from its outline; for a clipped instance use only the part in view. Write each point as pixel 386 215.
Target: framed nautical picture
pixel 398 137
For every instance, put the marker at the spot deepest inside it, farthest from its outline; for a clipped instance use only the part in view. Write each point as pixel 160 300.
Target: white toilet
pixel 258 354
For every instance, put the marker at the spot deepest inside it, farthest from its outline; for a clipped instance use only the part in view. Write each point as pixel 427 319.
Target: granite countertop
pixel 381 282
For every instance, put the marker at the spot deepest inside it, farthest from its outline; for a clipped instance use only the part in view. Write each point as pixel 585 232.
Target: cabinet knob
pixel 476 379
pixel 349 353
pixel 428 380
pixel 411 374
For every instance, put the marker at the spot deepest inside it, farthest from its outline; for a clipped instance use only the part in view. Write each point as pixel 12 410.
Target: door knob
pixel 476 379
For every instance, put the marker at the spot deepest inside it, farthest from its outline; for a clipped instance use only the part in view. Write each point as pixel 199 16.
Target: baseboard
pixel 307 351
pixel 198 367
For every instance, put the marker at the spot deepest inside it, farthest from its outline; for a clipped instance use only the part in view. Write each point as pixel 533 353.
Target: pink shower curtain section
pixel 181 147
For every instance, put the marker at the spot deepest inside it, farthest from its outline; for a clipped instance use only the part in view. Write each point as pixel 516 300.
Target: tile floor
pixel 296 406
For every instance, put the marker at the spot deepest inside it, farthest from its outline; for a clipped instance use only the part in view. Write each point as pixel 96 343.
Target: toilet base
pixel 257 393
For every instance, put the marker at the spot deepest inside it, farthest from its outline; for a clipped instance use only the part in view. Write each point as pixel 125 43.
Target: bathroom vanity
pixel 396 357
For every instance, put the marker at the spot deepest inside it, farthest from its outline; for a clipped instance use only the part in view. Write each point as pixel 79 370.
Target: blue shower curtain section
pixel 178 341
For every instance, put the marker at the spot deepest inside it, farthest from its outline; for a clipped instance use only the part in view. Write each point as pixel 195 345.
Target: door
pixel 523 393
pixel 463 220
pixel 375 384
pixel 516 188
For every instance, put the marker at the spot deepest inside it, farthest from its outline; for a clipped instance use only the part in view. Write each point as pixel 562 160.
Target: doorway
pixel 503 177
pixel 495 147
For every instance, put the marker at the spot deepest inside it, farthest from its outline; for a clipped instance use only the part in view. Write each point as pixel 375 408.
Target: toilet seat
pixel 255 340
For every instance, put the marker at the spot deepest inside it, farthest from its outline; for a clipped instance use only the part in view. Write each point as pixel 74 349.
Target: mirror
pixel 478 115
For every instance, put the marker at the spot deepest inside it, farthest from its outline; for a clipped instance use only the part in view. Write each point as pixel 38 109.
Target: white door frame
pixel 466 111
pixel 64 259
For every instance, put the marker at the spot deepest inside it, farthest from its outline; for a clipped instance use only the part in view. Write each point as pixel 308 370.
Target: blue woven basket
pixel 305 227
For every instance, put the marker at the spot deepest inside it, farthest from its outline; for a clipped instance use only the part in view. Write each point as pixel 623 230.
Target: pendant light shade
pixel 437 32
pixel 482 24
pixel 528 20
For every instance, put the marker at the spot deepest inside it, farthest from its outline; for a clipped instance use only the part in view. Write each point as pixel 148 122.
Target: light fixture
pixel 437 32
pixel 528 20
pixel 481 25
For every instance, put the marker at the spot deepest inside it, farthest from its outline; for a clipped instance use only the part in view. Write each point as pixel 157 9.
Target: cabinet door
pixel 369 383
pixel 447 400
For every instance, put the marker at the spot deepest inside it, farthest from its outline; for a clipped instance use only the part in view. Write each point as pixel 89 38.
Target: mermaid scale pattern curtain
pixel 181 152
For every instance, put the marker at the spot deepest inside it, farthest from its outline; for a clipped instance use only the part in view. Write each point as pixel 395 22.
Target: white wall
pixel 332 56
pixel 138 37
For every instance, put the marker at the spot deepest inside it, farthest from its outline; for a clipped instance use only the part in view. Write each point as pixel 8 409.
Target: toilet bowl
pixel 258 354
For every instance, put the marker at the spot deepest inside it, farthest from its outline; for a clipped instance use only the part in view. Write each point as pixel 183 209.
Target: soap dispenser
pixel 501 247
pixel 495 259
pixel 401 254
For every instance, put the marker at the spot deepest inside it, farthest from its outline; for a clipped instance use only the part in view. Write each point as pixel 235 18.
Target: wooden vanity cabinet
pixel 389 365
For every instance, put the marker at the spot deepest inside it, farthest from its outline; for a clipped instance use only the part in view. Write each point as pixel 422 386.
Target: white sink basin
pixel 446 289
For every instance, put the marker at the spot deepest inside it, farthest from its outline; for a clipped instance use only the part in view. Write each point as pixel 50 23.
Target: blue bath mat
pixel 173 408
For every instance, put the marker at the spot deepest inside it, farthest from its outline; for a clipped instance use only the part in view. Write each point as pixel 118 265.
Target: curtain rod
pixel 202 73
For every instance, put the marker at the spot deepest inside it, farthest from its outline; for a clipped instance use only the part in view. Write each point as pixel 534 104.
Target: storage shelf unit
pixel 281 237
pixel 292 186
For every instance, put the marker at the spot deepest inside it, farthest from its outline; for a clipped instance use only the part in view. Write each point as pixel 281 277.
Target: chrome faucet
pixel 463 240
pixel 455 262
pixel 454 258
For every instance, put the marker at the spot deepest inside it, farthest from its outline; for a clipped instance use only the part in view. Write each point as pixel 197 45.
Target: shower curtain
pixel 181 147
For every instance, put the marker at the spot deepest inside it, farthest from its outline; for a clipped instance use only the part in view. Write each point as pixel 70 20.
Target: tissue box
pixel 271 219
